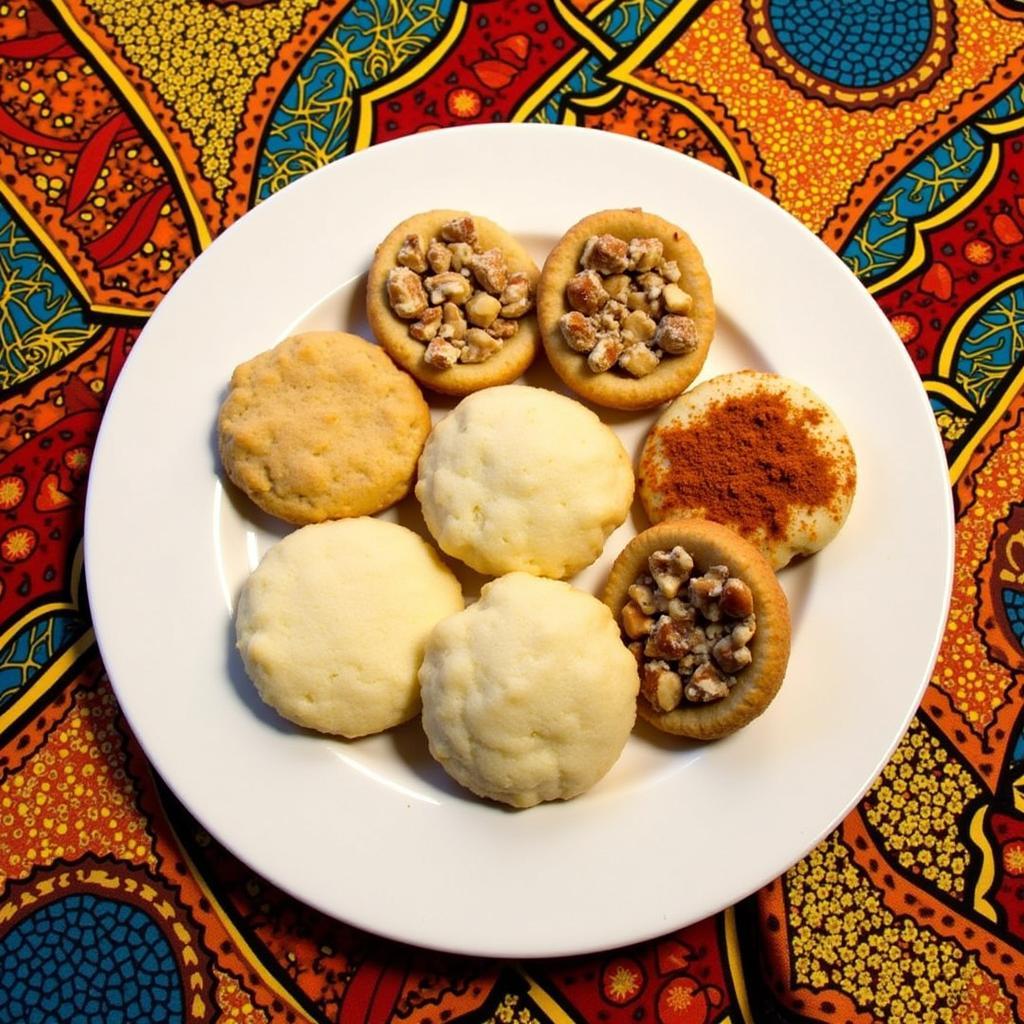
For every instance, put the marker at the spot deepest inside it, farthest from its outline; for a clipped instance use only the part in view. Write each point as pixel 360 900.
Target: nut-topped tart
pixel 625 309
pixel 450 297
pixel 704 616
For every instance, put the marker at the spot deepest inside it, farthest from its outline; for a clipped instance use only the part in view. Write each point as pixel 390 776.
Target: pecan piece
pixel 490 270
pixel 667 640
pixel 676 335
pixel 604 354
pixel 426 328
pixel 479 346
pixel 482 309
pixel 676 300
pixel 585 292
pixel 461 253
pixel 670 569
pixel 660 686
pixel 706 685
pixel 405 293
pixel 441 354
pixel 516 299
pixel 439 256
pixel 410 254
pixel 578 331
pixel 503 329
pixel 639 360
pixel 638 326
pixel 634 622
pixel 448 287
pixel 459 229
pixel 644 597
pixel 737 601
pixel 645 253
pixel 605 254
pixel 729 657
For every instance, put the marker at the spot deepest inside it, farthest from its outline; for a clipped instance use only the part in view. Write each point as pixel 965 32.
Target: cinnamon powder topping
pixel 749 461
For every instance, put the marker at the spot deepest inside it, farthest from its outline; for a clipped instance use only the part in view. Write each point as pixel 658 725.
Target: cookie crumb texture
pixel 528 695
pixel 523 479
pixel 332 625
pixel 321 427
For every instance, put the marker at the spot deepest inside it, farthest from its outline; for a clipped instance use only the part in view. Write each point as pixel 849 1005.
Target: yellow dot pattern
pixel 844 937
pixel 975 684
pixel 916 804
pixel 812 180
pixel 73 795
pixel 234 1003
pixel 984 1002
pixel 203 60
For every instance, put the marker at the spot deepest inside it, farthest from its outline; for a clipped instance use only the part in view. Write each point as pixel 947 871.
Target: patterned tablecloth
pixel 133 131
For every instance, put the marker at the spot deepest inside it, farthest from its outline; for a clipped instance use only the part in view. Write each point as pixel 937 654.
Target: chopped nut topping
pixel 585 292
pixel 503 329
pixel 706 685
pixel 448 287
pixel 441 354
pixel 604 353
pixel 411 254
pixel 662 687
pixel 677 335
pixel 628 291
pixel 459 229
pixel 479 346
pixel 454 281
pixel 426 328
pixel 578 331
pixel 605 254
pixel 634 622
pixel 516 300
pixel 439 257
pixel 405 293
pixel 482 309
pixel 687 642
pixel 639 360
pixel 490 270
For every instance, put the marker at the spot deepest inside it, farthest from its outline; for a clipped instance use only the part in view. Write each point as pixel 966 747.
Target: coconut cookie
pixel 320 427
pixel 519 478
pixel 708 624
pixel 450 297
pixel 758 452
pixel 528 695
pixel 625 309
pixel 332 625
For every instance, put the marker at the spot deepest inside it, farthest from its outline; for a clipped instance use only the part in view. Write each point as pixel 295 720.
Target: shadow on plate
pixel 409 742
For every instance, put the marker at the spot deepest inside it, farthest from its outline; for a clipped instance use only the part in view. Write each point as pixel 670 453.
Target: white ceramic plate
pixel 372 831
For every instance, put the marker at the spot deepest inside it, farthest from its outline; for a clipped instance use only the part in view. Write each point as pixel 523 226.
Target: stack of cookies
pixel 351 624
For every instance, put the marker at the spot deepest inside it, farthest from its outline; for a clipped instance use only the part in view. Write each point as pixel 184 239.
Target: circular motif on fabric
pixel 92 959
pixel 871 54
pixel 101 941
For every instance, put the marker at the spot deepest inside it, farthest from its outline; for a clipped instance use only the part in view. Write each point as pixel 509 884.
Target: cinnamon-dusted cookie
pixel 758 452
pixel 322 426
pixel 625 309
pixel 703 614
pixel 450 297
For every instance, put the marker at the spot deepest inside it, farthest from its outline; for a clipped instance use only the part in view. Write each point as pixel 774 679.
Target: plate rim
pixel 122 687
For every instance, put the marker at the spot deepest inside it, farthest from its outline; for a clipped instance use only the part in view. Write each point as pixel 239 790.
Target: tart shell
pixel 611 388
pixel 712 544
pixel 393 333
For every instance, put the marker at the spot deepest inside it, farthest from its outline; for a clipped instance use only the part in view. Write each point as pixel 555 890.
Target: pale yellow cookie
pixel 450 296
pixel 520 478
pixel 332 625
pixel 707 622
pixel 625 309
pixel 758 452
pixel 528 695
pixel 320 427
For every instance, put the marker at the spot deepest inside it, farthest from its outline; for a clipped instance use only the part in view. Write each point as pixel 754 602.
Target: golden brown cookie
pixel 625 309
pixel 321 427
pixel 706 619
pixel 450 297
pixel 758 452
